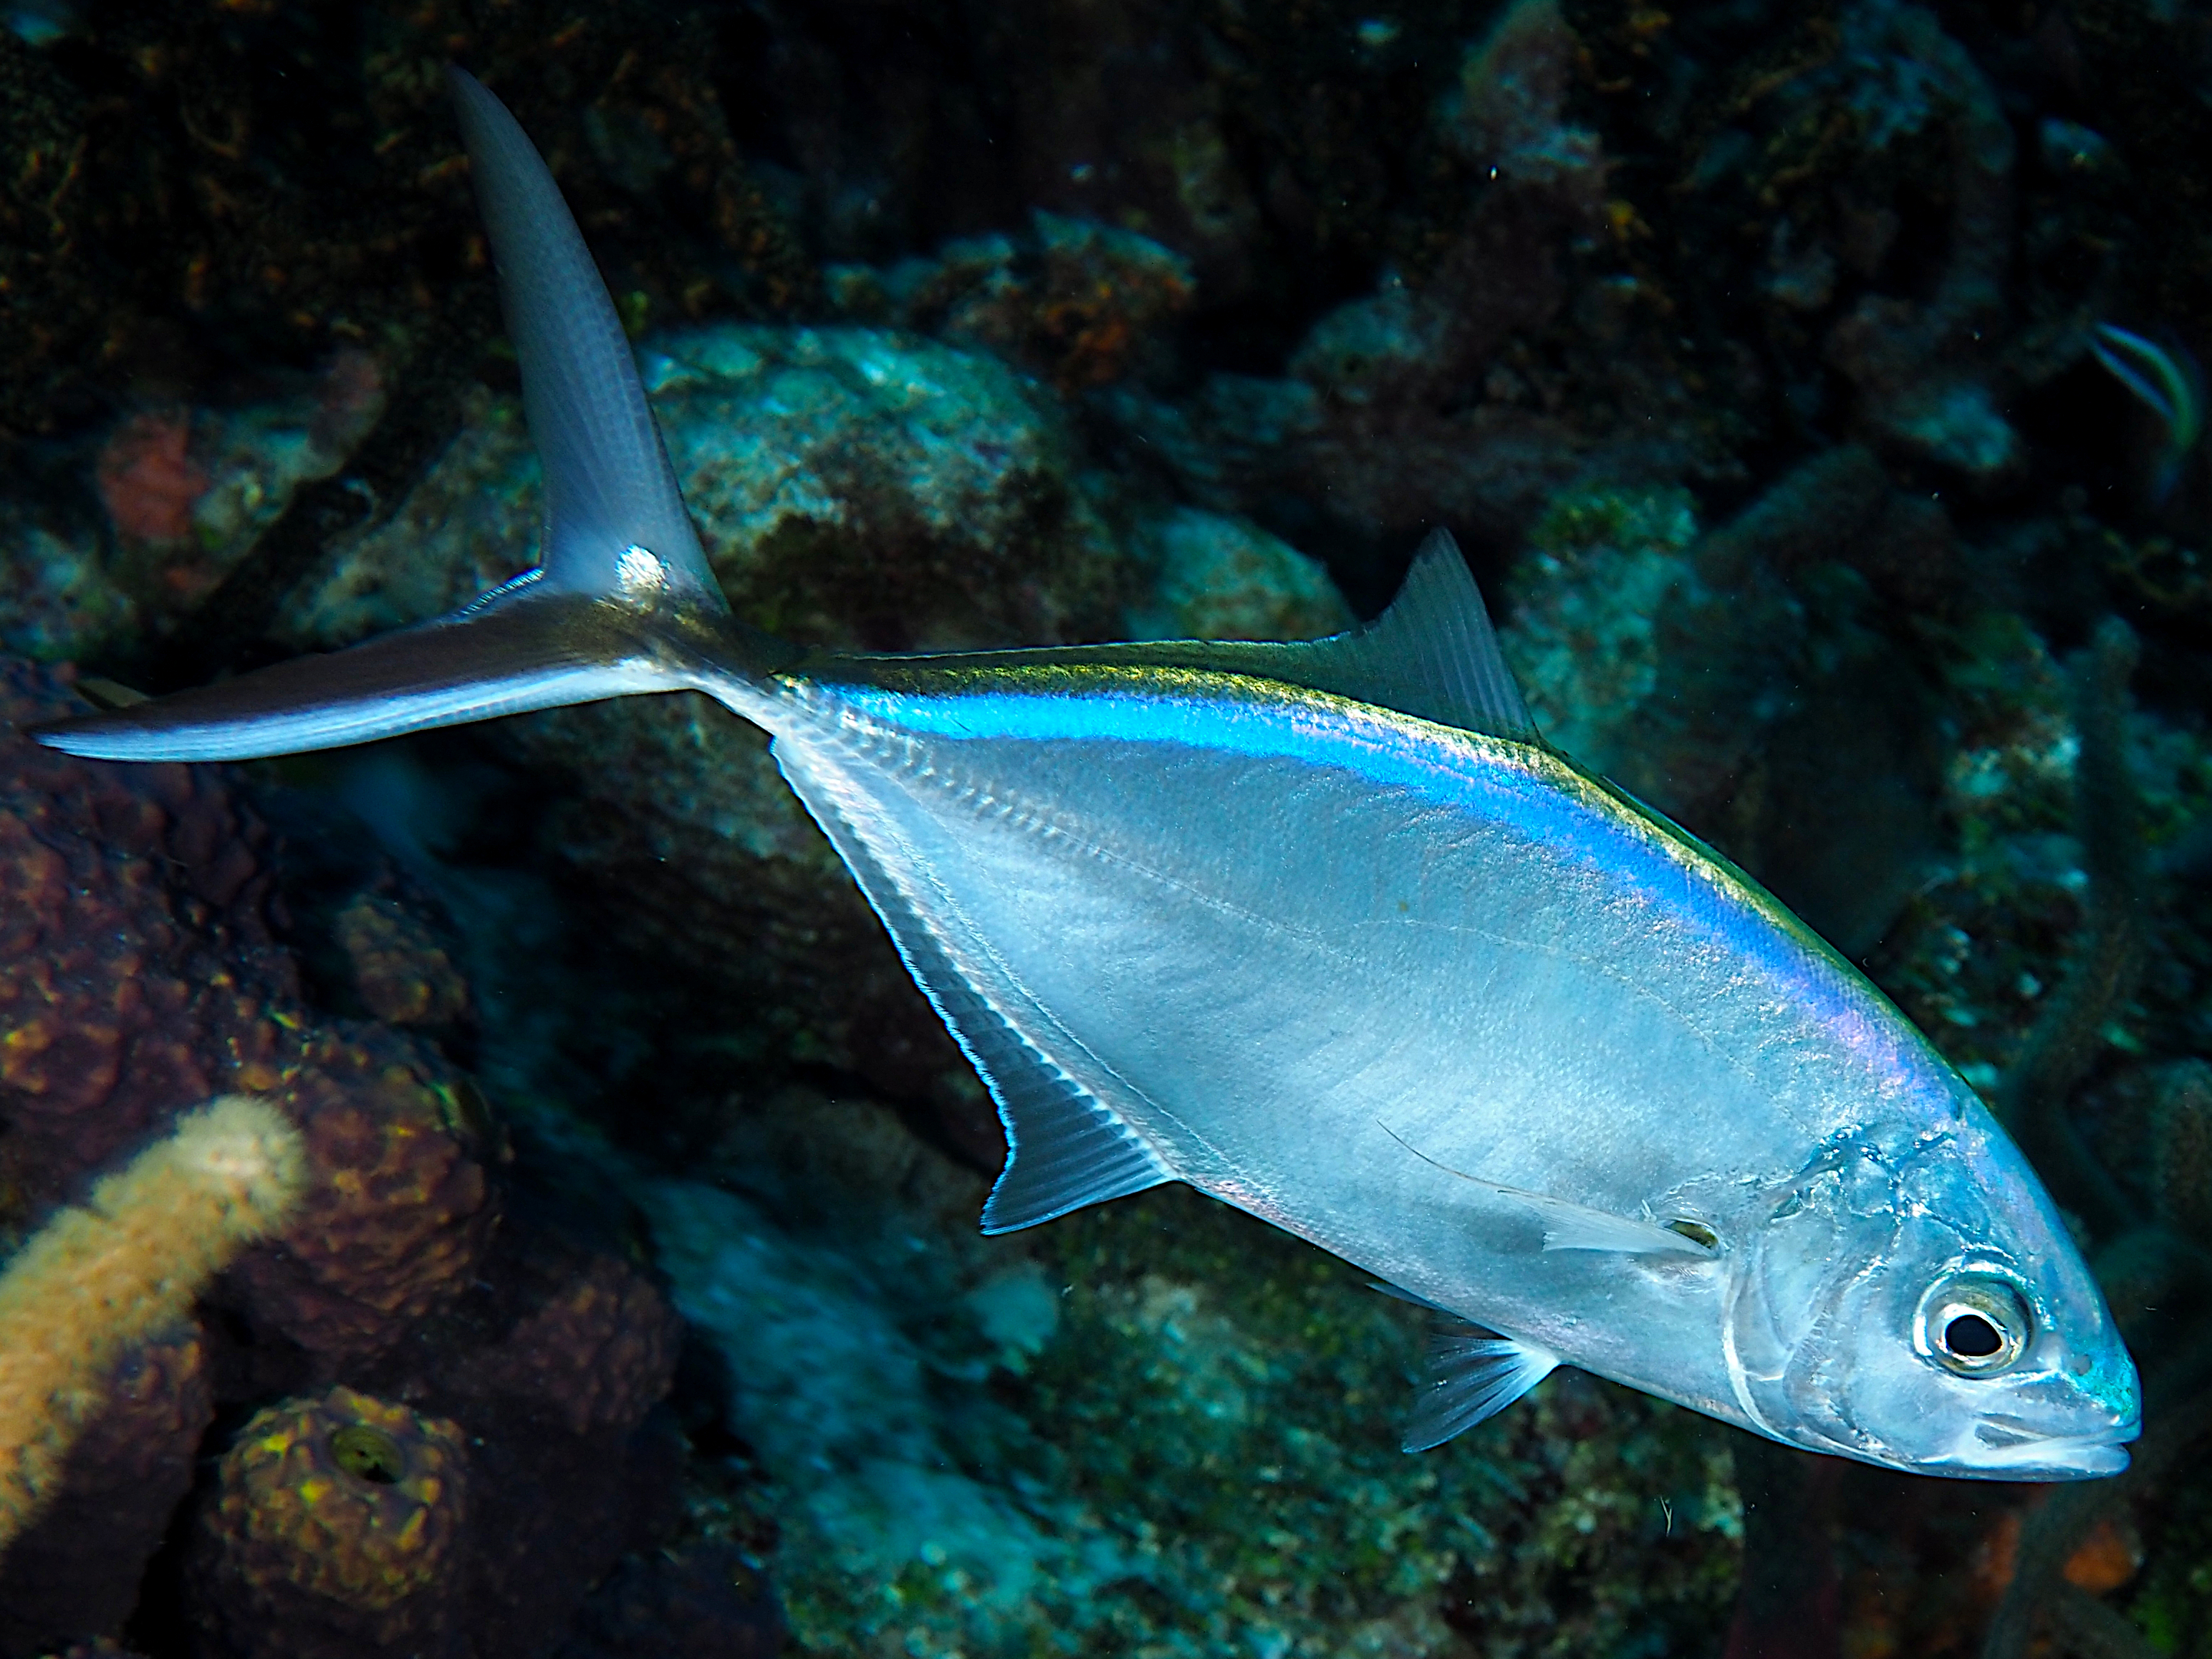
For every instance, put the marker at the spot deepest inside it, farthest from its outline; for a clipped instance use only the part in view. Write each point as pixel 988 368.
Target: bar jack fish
pixel 1324 929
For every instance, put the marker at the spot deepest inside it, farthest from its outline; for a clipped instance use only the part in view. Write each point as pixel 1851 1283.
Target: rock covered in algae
pixel 184 493
pixel 1740 678
pixel 1215 577
pixel 399 966
pixel 569 1351
pixel 853 486
pixel 1075 301
pixel 594 1351
pixel 337 1529
pixel 1154 1426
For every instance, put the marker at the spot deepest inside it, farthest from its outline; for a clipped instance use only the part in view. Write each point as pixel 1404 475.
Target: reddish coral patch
pixel 148 480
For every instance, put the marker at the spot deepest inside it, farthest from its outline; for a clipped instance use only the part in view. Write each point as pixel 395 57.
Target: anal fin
pixel 1066 1147
pixel 1571 1226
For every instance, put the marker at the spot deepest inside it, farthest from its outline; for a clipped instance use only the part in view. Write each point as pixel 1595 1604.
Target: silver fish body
pixel 1448 1008
pixel 1326 931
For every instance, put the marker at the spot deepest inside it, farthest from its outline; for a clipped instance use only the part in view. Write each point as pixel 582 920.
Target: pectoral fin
pixel 1575 1227
pixel 1572 1226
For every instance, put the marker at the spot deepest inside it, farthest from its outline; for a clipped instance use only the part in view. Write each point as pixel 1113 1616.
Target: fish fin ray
pixel 545 638
pixel 1433 653
pixel 530 651
pixel 609 485
pixel 1066 1147
pixel 1474 1373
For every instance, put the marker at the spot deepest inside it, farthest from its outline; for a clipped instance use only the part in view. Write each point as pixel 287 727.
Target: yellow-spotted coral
pixel 336 1530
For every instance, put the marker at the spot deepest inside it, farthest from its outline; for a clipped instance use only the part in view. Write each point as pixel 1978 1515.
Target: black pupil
pixel 1971 1337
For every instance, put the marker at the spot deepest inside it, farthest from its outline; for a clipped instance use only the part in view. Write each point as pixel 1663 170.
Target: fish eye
pixel 1974 1324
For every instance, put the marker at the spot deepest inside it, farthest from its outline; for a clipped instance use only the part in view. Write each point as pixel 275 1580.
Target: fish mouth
pixel 2004 1448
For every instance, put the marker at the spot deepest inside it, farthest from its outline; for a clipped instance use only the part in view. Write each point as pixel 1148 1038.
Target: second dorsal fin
pixel 1432 653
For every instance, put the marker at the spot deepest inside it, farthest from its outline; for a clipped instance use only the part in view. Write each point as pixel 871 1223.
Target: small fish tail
pixel 624 600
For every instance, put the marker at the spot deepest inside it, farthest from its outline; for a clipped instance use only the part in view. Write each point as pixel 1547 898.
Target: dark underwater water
pixel 1813 390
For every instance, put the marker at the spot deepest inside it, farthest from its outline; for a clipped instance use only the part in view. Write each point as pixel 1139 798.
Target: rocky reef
pixel 1812 388
pixel 145 972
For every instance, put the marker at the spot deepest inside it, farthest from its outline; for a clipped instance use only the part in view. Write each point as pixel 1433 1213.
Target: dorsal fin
pixel 1432 653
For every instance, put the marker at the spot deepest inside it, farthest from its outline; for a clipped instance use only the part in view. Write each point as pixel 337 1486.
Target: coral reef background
pixel 1814 388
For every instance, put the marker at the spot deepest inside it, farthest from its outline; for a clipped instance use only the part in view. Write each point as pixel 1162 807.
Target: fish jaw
pixel 2046 1457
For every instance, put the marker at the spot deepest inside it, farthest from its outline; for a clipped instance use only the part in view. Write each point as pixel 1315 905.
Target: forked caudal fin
pixel 624 601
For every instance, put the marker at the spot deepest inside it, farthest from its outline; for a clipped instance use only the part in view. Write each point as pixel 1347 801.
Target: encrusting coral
pixel 392 1222
pixel 139 974
pixel 97 1278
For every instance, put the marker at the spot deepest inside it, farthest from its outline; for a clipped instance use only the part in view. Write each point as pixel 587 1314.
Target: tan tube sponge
pixel 130 1262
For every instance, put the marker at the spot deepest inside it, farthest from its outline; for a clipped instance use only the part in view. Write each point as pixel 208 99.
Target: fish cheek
pixel 1893 1392
pixel 1782 1287
pixel 1820 1268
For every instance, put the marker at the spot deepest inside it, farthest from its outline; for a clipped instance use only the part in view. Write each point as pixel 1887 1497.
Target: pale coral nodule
pixel 99 1278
